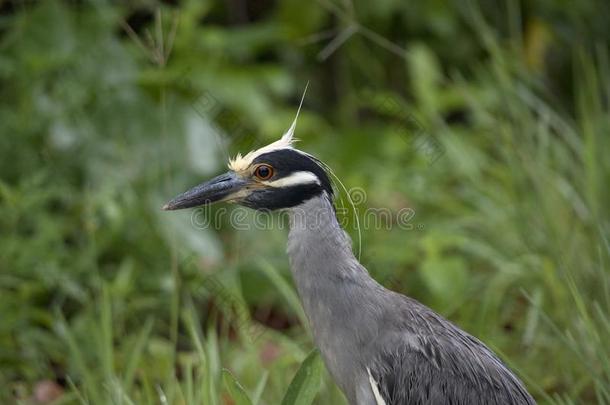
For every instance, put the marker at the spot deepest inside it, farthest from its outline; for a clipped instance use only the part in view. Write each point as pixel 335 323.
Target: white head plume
pixel 289 135
pixel 240 163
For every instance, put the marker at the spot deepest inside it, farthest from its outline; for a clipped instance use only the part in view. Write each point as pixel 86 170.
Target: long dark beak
pixel 218 189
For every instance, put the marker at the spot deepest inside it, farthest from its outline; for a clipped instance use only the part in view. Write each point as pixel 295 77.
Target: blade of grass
pixel 260 387
pixel 213 356
pixel 235 389
pixel 306 383
pixel 285 290
pixel 76 355
pixel 135 355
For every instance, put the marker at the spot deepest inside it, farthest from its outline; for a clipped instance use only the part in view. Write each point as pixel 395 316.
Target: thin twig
pixel 135 38
pixel 383 41
pixel 349 17
pixel 172 34
pixel 317 37
pixel 337 42
pixel 159 33
pixel 152 46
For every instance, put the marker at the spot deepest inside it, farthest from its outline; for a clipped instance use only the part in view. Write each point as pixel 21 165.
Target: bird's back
pixel 421 358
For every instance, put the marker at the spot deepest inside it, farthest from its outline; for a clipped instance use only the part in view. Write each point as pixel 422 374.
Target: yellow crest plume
pixel 241 163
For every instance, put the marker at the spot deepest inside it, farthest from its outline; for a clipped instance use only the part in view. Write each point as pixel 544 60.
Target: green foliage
pixel 235 389
pixel 306 383
pixel 490 122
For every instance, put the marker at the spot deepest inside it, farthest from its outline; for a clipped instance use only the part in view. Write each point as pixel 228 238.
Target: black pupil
pixel 263 172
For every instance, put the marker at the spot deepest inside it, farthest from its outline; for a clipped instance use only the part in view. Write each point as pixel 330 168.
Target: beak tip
pixel 216 189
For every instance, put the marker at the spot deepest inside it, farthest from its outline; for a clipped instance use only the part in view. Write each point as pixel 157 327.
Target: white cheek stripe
pixel 294 179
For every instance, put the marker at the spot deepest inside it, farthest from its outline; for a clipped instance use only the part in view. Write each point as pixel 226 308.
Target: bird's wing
pixel 428 360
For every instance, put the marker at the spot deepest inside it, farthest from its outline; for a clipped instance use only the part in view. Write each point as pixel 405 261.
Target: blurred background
pixel 489 121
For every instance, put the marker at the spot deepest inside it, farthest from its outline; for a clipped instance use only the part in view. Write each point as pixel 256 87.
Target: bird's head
pixel 272 177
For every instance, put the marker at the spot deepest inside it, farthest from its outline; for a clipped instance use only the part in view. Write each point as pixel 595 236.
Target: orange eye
pixel 263 172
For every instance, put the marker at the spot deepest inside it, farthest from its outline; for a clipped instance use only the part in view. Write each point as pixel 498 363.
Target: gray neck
pixel 328 277
pixel 317 245
pixel 339 297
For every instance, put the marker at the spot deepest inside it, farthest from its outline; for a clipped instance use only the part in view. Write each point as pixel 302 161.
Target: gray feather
pixel 414 355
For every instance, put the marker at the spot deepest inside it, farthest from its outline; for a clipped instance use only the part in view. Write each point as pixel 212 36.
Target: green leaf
pixel 306 383
pixel 285 289
pixel 237 392
pixel 262 383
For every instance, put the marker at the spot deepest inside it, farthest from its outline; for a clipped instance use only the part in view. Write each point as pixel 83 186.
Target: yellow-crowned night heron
pixel 380 346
